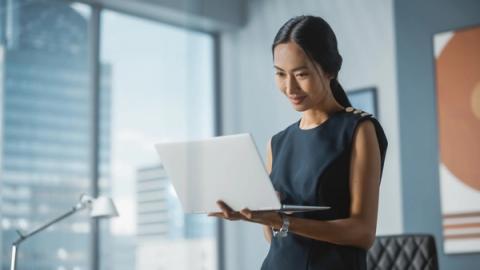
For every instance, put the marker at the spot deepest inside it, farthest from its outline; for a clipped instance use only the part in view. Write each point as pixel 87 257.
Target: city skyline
pixel 46 134
pixel 46 130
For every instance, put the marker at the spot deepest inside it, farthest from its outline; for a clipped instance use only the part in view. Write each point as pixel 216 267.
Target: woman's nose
pixel 291 85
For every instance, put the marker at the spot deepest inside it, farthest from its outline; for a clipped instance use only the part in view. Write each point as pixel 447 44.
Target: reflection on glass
pixel 46 125
pixel 162 90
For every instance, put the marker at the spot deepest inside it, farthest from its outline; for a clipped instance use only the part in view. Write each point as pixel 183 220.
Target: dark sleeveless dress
pixel 312 167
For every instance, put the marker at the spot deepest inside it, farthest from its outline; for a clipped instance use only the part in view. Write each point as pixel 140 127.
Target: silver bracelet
pixel 283 232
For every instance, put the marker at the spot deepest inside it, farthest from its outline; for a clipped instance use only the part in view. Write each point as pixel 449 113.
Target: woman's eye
pixel 302 75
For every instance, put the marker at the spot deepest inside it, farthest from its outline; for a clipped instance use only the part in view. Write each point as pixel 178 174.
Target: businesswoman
pixel 333 155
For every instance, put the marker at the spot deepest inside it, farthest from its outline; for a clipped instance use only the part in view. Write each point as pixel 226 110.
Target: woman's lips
pixel 297 100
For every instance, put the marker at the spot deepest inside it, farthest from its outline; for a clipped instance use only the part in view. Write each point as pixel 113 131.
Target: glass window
pixel 45 138
pixel 157 86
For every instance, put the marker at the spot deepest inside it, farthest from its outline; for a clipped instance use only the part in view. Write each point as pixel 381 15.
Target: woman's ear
pixel 322 72
pixel 329 76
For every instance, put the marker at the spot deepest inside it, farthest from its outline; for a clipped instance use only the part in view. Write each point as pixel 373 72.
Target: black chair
pixel 406 251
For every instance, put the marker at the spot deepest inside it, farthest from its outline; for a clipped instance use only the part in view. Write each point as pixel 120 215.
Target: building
pixel 46 134
pixel 167 238
pixel 158 214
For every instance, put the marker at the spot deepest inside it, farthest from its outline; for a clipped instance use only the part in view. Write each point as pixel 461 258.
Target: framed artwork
pixel 457 69
pixel 364 99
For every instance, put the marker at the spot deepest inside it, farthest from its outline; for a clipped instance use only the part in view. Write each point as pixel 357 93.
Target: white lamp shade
pixel 103 207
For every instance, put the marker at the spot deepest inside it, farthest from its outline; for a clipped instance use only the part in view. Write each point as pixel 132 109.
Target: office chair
pixel 406 251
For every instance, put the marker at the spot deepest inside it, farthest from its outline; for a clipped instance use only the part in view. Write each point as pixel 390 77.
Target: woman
pixel 332 156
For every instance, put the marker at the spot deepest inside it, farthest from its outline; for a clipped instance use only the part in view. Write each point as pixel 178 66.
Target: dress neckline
pixel 297 124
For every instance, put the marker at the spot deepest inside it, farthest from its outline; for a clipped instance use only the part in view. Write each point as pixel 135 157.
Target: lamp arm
pixel 23 237
pixel 85 201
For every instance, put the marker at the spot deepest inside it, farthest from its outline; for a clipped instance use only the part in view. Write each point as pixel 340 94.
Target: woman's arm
pixel 359 229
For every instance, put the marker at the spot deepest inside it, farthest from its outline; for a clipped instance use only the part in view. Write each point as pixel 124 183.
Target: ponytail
pixel 339 94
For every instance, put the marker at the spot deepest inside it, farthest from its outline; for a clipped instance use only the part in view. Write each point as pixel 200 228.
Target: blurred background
pixel 87 87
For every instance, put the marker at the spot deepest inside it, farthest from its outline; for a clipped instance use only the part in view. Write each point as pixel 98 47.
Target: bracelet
pixel 283 231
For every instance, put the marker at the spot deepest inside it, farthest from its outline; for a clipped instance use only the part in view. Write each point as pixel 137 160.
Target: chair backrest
pixel 406 251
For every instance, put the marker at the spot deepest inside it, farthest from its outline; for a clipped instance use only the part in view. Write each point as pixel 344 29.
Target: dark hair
pixel 318 41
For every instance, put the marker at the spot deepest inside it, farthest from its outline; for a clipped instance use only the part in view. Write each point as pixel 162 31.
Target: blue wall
pixel 415 24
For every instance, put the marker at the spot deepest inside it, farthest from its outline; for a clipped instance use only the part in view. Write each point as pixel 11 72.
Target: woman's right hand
pixel 229 214
pixel 226 212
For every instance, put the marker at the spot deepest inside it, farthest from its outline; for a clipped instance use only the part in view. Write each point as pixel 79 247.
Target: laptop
pixel 227 168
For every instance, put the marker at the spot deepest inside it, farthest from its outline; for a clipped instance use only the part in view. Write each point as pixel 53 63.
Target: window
pixel 158 86
pixel 45 139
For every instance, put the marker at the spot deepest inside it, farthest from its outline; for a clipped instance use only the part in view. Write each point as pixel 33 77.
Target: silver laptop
pixel 227 168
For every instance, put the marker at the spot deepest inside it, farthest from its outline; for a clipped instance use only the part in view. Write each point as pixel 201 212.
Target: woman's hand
pixel 226 212
pixel 269 218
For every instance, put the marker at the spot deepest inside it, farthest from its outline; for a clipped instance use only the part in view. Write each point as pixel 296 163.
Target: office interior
pixel 89 86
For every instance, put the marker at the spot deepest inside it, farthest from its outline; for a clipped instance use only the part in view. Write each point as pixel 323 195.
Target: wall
pixel 415 24
pixel 251 102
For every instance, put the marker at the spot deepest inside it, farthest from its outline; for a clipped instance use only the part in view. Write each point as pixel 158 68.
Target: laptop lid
pixel 227 168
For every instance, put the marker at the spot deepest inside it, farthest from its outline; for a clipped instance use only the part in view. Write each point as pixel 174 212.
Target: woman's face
pixel 301 80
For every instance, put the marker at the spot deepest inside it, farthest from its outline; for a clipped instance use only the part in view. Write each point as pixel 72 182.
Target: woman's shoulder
pixel 357 117
pixel 352 117
pixel 352 113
